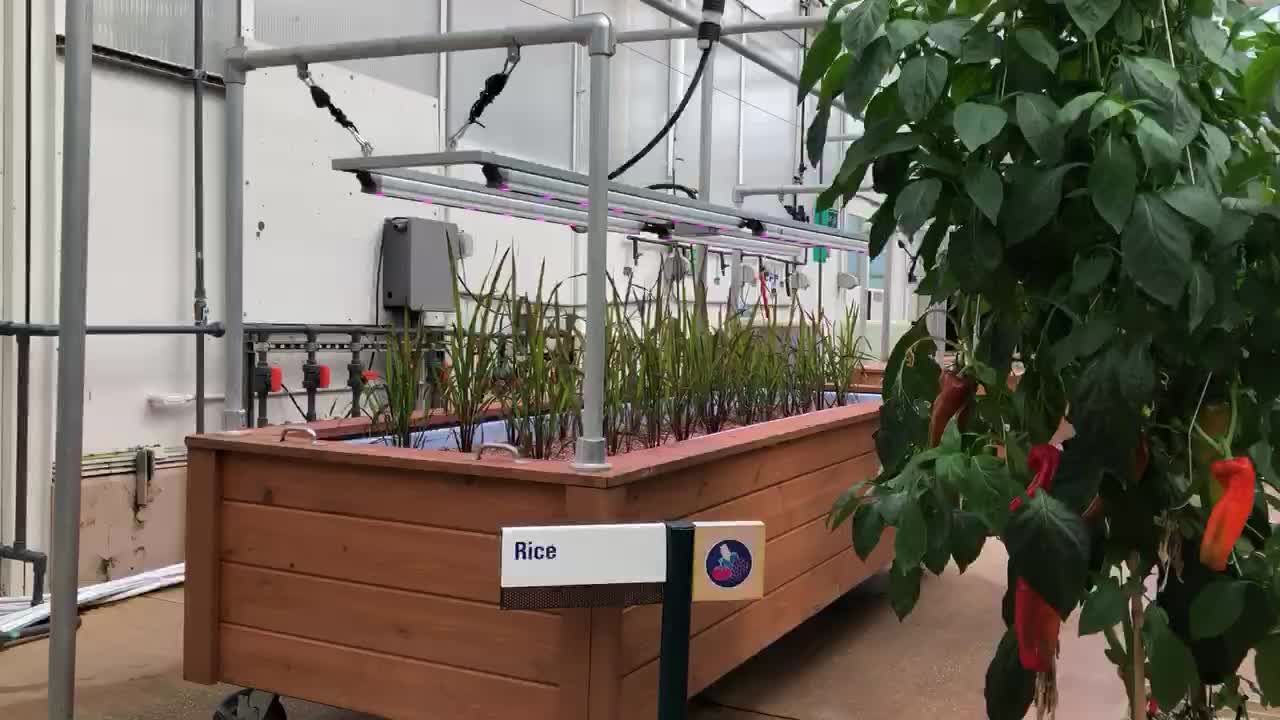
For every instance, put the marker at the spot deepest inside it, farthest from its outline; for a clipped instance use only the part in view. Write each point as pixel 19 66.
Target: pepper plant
pixel 1089 188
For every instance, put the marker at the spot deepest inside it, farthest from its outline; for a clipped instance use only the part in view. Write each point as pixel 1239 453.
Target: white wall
pixel 313 257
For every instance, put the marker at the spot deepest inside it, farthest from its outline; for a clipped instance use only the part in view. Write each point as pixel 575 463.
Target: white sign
pixel 561 555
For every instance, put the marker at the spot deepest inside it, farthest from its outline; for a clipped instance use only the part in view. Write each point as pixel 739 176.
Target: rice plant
pixel 846 353
pixel 541 399
pixel 392 403
pixel 469 382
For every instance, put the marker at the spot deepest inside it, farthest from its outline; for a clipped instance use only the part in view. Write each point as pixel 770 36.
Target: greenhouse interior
pixel 622 359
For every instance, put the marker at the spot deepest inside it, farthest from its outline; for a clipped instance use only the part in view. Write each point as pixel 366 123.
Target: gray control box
pixel 415 263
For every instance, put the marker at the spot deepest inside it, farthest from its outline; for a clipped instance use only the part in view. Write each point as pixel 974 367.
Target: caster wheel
pixel 251 701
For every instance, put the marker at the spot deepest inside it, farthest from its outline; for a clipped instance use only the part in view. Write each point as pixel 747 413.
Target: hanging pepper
pixel 1231 511
pixel 954 393
pixel 1037 623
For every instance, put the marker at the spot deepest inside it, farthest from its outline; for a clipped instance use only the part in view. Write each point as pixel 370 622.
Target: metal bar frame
pixel 69 439
pixel 800 22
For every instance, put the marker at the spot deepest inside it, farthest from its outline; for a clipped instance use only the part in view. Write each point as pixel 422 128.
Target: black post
pixel 20 474
pixel 677 602
pixel 311 375
pixel 355 373
pixel 201 301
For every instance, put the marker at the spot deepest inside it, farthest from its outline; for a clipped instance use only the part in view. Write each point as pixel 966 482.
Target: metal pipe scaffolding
pixel 73 280
pixel 801 22
pixel 737 46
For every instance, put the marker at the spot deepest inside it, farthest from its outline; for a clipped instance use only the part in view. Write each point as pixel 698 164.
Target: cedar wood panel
pixel 375 588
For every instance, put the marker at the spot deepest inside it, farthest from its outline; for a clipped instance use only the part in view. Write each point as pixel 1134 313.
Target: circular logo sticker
pixel 729 563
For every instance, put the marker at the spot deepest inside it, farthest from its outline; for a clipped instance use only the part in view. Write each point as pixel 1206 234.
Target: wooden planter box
pixel 366 577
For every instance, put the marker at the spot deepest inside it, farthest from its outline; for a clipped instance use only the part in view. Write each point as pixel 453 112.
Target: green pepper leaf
pixel 1113 181
pixel 915 204
pixel 984 187
pixel 868 526
pixel 822 52
pixel 968 535
pixel 1090 272
pixel 861 24
pixel 1260 79
pixel 1104 608
pixel 1037 117
pixel 1010 687
pixel 1211 38
pixel 1049 548
pixel 904 32
pixel 1074 108
pixel 947 34
pixel 864 77
pixel 1196 202
pixel 1035 194
pixel 978 124
pixel 1266 664
pixel 1216 608
pixel 921 83
pixel 1173 668
pixel 1038 47
pixel 904 588
pixel 1092 15
pixel 1157 249
pixel 912 537
pixel 1106 109
pixel 1200 295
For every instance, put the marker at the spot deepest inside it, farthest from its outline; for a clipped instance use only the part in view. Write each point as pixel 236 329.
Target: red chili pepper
pixel 954 393
pixel 1037 625
pixel 1230 512
pixel 1042 461
pixel 1035 622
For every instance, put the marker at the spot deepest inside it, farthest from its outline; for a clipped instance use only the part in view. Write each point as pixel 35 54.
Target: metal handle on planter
pixel 515 451
pixel 305 430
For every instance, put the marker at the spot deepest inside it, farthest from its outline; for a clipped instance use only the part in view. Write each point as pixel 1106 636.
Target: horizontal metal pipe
pixel 584 29
pixel 742 191
pixel 772 25
pixel 34 330
pixel 845 138
pixel 737 46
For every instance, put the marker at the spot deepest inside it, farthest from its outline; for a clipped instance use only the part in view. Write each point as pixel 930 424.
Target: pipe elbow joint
pixel 602 39
pixel 236 66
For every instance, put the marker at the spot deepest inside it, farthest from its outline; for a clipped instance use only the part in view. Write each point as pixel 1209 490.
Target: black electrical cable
pixel 693 194
pixel 322 100
pixel 671 121
pixel 294 401
pixel 493 87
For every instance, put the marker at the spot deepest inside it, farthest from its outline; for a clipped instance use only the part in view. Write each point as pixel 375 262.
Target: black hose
pixel 671 121
pixel 693 194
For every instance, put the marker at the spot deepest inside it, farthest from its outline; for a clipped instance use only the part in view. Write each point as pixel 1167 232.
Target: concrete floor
pixel 854 661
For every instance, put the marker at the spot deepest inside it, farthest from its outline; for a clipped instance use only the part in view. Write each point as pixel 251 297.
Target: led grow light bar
pixel 547 186
pixel 452 192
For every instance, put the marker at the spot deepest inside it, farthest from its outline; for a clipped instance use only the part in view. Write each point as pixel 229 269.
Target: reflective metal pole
pixel 233 265
pixel 590 452
pixel 71 321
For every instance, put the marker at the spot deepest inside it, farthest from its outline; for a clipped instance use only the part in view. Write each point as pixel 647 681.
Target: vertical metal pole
pixel 20 462
pixel 233 271
pixel 886 302
pixel 591 445
pixel 864 293
pixel 73 281
pixel 197 135
pixel 677 601
pixel 704 171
